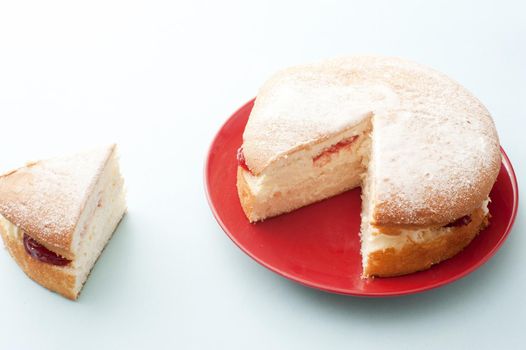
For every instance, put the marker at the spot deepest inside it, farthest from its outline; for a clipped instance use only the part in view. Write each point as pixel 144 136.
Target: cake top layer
pixel 435 150
pixel 45 198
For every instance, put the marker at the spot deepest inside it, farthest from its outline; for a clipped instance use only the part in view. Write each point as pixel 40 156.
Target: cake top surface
pixel 45 198
pixel 435 150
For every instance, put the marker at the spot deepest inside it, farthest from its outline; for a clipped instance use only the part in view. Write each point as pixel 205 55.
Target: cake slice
pixel 57 215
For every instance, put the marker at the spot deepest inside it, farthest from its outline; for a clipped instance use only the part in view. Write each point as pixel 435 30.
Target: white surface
pixel 160 78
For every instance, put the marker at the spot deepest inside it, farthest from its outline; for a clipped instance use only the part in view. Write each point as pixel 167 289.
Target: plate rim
pixel 479 263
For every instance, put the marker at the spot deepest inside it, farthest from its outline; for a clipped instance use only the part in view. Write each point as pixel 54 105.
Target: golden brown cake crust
pixel 45 198
pixel 52 277
pixel 245 195
pixel 420 256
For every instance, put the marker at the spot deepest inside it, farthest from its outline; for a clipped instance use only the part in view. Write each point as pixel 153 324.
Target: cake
pixel 57 215
pixel 423 149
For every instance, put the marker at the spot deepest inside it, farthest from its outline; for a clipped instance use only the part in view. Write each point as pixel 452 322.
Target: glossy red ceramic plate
pixel 319 245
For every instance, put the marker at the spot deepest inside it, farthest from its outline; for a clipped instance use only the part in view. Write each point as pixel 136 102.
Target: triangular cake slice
pixel 57 215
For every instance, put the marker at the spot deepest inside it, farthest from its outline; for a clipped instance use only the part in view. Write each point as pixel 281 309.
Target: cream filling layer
pixel 11 230
pixel 375 241
pixel 291 170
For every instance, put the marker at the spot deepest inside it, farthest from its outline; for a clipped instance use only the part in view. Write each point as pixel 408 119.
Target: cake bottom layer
pixel 56 278
pixel 60 279
pixel 257 209
pixel 418 250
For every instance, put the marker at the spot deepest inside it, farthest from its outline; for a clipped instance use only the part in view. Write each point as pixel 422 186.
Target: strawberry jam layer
pixel 335 148
pixel 463 221
pixel 41 253
pixel 241 160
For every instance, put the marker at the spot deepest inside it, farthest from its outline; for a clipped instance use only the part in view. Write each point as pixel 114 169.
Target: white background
pixel 160 78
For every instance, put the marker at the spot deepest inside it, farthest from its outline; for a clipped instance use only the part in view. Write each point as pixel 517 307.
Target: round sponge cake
pixel 426 148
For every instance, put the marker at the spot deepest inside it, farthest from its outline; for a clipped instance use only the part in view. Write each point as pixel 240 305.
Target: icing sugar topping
pixel 46 198
pixel 434 146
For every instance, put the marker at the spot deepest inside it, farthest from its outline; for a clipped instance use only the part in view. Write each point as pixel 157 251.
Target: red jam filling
pixel 336 148
pixel 241 160
pixel 43 254
pixel 466 219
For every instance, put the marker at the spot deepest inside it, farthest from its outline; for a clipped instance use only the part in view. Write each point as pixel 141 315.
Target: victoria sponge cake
pixel 57 215
pixel 424 150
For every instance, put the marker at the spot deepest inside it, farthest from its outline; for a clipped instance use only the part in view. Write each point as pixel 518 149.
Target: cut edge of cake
pixel 298 178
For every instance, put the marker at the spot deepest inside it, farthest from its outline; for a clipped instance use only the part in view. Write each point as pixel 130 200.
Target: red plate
pixel 319 245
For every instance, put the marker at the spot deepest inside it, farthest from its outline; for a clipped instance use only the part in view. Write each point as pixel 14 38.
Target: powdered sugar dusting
pixel 46 198
pixel 435 148
pixel 300 106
